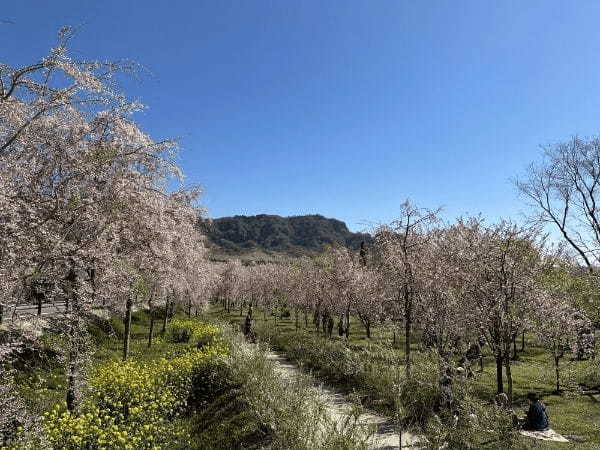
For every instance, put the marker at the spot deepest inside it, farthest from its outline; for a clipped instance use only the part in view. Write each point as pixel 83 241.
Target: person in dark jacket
pixel 247 327
pixel 537 418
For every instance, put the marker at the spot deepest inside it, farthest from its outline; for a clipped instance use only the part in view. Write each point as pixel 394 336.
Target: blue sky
pixel 343 108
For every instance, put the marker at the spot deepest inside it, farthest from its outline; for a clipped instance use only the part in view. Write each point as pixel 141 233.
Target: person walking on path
pixel 247 329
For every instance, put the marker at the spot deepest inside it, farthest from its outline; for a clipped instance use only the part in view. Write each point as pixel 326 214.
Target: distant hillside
pixel 292 235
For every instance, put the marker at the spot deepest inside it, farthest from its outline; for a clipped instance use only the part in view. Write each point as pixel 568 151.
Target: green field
pixel 573 414
pixel 225 422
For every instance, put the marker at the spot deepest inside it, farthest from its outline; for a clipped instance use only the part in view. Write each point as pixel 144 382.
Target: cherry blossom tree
pixel 399 246
pixel 501 267
pixel 557 325
pixel 228 286
pixel 341 276
pixel 440 307
pixel 370 298
pixel 83 194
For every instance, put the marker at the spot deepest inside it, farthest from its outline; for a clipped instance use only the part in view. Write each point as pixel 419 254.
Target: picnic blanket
pixel 548 435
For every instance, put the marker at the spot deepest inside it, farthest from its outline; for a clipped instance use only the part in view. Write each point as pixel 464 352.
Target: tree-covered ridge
pixel 296 234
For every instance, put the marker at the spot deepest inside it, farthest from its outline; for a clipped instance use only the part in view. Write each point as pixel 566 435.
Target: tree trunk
pixel 523 341
pixel 73 373
pixel 71 378
pixel 297 323
pixel 127 323
pixel 499 381
pixel 1 313
pixel 151 331
pixel 557 370
pixel 367 324
pixel 481 361
pixel 166 317
pixel 515 355
pixel 39 298
pixel 305 319
pixel 407 332
pixel 509 380
pixel 189 305
pixel 348 322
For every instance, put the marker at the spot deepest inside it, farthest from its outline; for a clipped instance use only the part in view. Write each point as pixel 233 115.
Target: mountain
pixel 295 235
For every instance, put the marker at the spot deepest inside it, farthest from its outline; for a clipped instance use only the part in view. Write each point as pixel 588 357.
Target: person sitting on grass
pixel 537 417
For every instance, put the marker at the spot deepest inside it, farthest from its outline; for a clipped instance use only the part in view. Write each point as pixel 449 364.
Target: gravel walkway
pixel 386 436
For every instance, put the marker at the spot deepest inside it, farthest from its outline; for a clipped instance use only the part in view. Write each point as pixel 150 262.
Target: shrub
pixel 98 429
pixel 372 369
pixel 475 425
pixel 132 404
pixel 332 359
pixel 588 375
pixel 197 333
pixel 210 381
pixel 420 394
pixel 290 407
pixel 467 423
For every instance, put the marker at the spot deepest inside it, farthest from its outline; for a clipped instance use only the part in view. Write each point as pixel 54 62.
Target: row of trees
pixel 455 285
pixel 89 216
pixel 85 209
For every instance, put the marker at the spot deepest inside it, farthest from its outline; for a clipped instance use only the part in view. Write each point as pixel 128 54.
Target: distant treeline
pixel 294 235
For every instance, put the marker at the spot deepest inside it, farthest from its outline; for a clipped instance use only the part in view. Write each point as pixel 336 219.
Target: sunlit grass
pixel 572 413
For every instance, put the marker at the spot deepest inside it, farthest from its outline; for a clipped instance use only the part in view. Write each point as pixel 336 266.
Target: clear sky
pixel 343 108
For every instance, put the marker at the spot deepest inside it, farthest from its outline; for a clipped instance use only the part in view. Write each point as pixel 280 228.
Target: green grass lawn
pixel 224 423
pixel 573 414
pixel 41 377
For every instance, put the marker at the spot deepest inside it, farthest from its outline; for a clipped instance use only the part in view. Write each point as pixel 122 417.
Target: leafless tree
pixel 564 190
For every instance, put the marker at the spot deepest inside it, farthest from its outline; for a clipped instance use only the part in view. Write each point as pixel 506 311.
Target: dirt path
pixel 338 406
